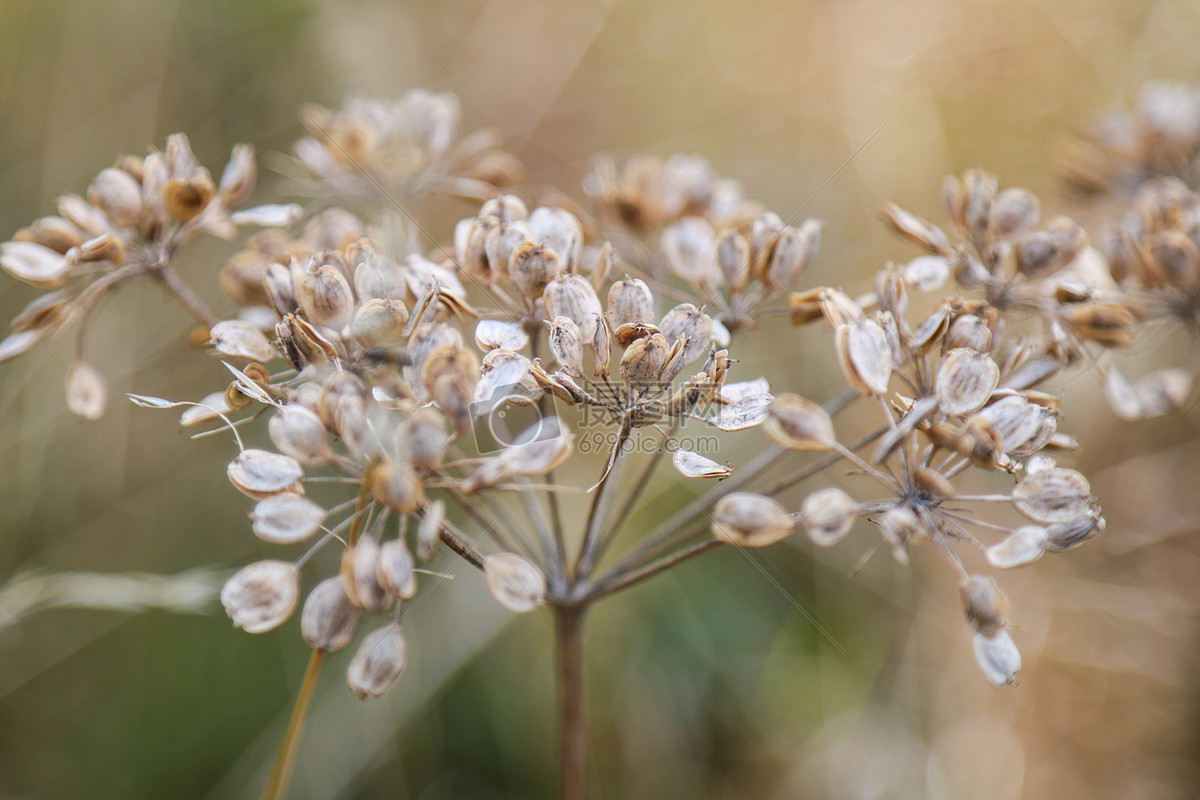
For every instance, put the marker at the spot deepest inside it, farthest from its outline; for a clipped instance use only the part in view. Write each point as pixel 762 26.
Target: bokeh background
pixel 713 681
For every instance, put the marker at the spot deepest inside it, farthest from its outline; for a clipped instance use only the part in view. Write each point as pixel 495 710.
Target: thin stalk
pixel 616 583
pixel 600 505
pixel 572 718
pixel 285 759
pixel 187 298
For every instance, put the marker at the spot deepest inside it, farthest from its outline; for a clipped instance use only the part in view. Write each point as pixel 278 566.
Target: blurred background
pixel 710 682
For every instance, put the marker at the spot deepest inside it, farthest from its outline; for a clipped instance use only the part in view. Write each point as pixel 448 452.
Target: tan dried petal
pixel 828 515
pixel 1053 495
pixel 865 355
pixel 87 391
pixel 328 619
pixel 966 379
pixel 798 423
pixel 1023 546
pixel 261 473
pixel 286 518
pixel 750 520
pixel 514 582
pixel 691 464
pixel 998 657
pixel 262 595
pixel 379 662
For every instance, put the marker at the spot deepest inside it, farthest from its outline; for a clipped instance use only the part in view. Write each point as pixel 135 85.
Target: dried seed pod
pixel 865 355
pixel 262 595
pixel 34 263
pixel 643 362
pixel 1066 535
pixel 261 473
pixel 184 198
pixel 379 662
pixel 379 322
pixel 966 379
pixel 501 244
pixel 744 413
pixel 571 295
pixel 1053 495
pixel 491 334
pixel 566 345
pixel 838 308
pixel 429 531
pixel 1106 323
pixel 984 604
pixel 1163 391
pixel 1178 258
pixel 396 574
pixel 323 292
pixel 328 619
pixel 733 257
pixel 1015 419
pixel 899 525
pixel 685 323
pixel 241 340
pixel 55 233
pixel 286 518
pixel 87 391
pixel 629 302
pixel 531 267
pixel 396 486
pixel 559 230
pixel 798 423
pixel 979 193
pixel 1015 212
pixel 119 195
pixel 630 332
pixel 1023 546
pixel 998 657
pixel 968 330
pixel 543 447
pixel 764 233
pixel 828 515
pixel 927 273
pixel 923 233
pixel 792 251
pixel 691 464
pixel 514 582
pixel 749 520
pixel 299 433
pixel 933 483
pixel 360 579
pixel 691 251
pixel 602 347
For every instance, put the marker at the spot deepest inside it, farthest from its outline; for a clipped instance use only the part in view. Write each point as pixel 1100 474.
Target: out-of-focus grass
pixel 710 683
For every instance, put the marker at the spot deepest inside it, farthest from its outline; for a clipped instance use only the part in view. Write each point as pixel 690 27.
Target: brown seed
pixel 323 292
pixel 184 198
pixel 396 486
pixel 750 520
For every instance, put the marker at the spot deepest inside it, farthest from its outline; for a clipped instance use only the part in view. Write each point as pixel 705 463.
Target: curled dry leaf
pixel 514 582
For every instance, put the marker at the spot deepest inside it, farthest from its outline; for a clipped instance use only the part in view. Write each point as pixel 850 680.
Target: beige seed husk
pixel 744 413
pixel 1014 419
pixel 566 345
pixel 865 355
pixel 1053 495
pixel 691 251
pixel 360 575
pixel 262 595
pixel 966 379
pixel 430 529
pixel 324 294
pixel 493 334
pixel 630 301
pixel 643 361
pixel 1023 546
pixel 559 230
pixel 829 515
pixel 571 295
pixel 798 423
pixel 33 263
pixel 924 233
pixel 531 267
pixel 691 464
pixel 684 323
pixel 119 194
pixel 395 569
pixel 998 657
pixel 299 433
pixel 261 473
pixel 87 391
pixel 899 526
pixel 504 372
pixel 794 248
pixel 1066 535
pixel 396 486
pixel 927 273
pixel 379 662
pixel 985 606
pixel 286 518
pixel 514 582
pixel 328 619
pixel 536 453
pixel 750 520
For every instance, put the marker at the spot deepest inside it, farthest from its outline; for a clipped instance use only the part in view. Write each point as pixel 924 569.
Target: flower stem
pixel 572 731
pixel 281 770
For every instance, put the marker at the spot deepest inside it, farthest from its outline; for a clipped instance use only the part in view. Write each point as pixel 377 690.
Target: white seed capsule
pixel 966 379
pixel 262 595
pixel 998 657
pixel 119 194
pixel 984 604
pixel 33 263
pixel 559 230
pixel 299 433
pixel 328 619
pixel 899 526
pixel 491 334
pixel 531 267
pixel 396 486
pixel 429 530
pixel 571 295
pixel 566 345
pixel 1053 495
pixel 261 473
pixel 799 424
pixel 865 355
pixel 1065 535
pixel 630 301
pixel 927 273
pixel 395 569
pixel 514 582
pixel 792 251
pixel 684 323
pixel 379 322
pixel 750 520
pixel 828 515
pixel 693 465
pixel 500 244
pixel 286 518
pixel 733 257
pixel 422 439
pixel 379 662
pixel 643 361
pixel 87 391
pixel 691 251
pixel 968 330
pixel 360 575
pixel 1023 546
pixel 323 293
pixel 744 413
pixel 241 340
pixel 543 447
